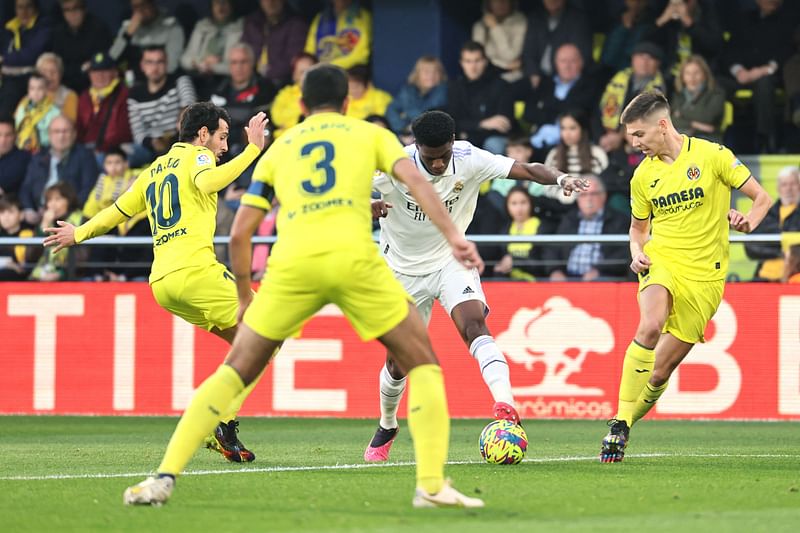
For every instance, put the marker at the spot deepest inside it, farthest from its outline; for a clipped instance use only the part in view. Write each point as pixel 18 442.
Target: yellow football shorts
pixel 204 296
pixel 693 302
pixel 361 285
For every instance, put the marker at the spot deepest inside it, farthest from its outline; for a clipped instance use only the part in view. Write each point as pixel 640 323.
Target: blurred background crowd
pixel 91 91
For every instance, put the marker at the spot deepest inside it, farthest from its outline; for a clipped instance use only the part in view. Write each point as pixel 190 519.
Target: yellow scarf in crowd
pixel 614 97
pixel 98 95
pixel 15 26
pixel 27 134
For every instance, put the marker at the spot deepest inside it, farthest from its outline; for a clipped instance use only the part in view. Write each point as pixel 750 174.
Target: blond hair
pixel 51 57
pixel 413 78
pixel 711 83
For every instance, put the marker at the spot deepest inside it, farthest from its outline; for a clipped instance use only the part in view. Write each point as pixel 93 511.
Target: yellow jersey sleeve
pixel 132 202
pixel 640 206
pixel 389 150
pixel 260 193
pixel 730 170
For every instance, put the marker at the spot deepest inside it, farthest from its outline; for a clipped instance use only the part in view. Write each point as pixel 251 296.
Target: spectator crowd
pixel 83 106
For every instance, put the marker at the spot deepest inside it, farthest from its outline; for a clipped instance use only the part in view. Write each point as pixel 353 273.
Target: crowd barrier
pixel 108 349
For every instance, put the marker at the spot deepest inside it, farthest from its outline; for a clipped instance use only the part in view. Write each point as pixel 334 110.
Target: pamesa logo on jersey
pixel 693 173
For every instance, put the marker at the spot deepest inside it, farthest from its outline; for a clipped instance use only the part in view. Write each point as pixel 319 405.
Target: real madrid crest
pixel 693 173
pixel 459 186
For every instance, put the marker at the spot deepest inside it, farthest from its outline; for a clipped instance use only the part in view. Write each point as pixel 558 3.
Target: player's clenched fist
pixel 739 221
pixel 640 263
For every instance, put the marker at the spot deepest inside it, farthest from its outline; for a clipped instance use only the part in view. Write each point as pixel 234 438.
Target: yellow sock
pixel 647 399
pixel 237 402
pixel 209 401
pixel 429 425
pixel 636 370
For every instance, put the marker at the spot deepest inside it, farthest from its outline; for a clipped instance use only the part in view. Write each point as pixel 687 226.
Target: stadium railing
pixel 740 269
pixel 479 239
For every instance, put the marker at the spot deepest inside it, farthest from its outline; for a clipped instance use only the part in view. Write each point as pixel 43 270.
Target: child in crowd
pixel 61 203
pixel 33 115
pixel 364 98
pixel 12 224
pixel 115 179
pixel 547 207
pixel 286 111
pixel 519 205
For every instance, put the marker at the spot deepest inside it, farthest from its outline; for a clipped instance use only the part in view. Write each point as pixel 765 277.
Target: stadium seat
pixel 598 40
pixel 727 117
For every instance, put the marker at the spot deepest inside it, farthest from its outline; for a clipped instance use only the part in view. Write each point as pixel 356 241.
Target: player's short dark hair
pixel 324 85
pixel 473 46
pixel 198 115
pixel 433 128
pixel 7 119
pixel 644 105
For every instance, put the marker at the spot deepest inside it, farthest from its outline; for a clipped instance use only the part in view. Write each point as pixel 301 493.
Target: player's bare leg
pixel 428 420
pixel 249 356
pixel 225 439
pixel 655 303
pixel 470 320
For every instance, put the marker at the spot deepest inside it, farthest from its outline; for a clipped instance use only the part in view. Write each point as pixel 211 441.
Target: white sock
pixel 494 368
pixel 391 394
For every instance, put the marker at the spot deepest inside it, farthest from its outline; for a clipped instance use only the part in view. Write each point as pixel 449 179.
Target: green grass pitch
pixel 61 474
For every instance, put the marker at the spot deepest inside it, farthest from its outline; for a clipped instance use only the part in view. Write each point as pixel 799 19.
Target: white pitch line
pixel 269 469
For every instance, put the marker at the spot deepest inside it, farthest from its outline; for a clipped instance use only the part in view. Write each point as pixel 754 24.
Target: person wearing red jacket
pixel 103 107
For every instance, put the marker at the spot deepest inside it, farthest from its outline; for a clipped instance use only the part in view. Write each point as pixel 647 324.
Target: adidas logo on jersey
pixel 468 290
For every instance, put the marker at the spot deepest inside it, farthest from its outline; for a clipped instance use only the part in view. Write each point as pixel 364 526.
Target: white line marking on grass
pixel 270 469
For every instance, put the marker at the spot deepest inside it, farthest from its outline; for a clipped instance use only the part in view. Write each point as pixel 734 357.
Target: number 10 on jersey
pixel 165 208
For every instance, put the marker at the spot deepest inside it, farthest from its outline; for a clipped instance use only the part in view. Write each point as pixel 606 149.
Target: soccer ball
pixel 503 443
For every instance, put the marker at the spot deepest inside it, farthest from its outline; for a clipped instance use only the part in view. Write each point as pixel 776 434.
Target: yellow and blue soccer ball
pixel 503 443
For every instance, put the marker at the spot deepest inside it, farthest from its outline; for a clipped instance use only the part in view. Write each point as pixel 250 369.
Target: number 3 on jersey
pixel 323 164
pixel 165 209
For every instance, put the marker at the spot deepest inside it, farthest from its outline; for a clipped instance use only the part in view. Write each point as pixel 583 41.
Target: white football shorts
pixel 451 285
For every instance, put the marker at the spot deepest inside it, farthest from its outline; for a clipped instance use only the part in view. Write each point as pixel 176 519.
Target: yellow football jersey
pixel 182 218
pixel 321 171
pixel 688 203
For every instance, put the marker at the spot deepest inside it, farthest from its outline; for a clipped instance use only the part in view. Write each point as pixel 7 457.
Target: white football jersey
pixel 410 242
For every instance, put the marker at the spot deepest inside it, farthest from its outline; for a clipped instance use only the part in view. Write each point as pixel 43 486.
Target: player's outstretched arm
pixel 761 204
pixel 463 250
pixel 215 179
pixel 547 175
pixel 65 234
pixel 244 226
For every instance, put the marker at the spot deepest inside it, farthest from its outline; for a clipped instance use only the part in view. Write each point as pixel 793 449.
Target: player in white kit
pixel 422 262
